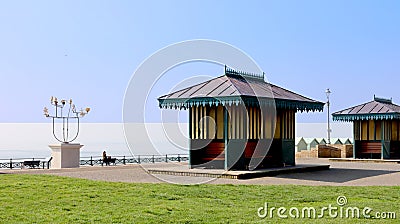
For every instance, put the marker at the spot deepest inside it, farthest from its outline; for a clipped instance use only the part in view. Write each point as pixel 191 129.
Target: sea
pixel 32 140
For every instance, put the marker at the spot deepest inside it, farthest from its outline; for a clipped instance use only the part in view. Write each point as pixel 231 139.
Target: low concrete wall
pixel 327 151
pixel 313 153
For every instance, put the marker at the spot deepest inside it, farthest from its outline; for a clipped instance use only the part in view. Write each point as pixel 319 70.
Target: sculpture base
pixel 65 155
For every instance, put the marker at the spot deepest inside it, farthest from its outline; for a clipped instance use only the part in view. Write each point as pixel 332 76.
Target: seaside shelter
pixel 238 121
pixel 376 128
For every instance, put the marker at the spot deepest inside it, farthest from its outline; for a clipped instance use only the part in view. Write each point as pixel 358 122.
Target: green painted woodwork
pixel 385 149
pixel 190 137
pixel 226 140
pixel 234 159
pixel 356 117
pixel 288 152
pixel 356 127
pixel 234 100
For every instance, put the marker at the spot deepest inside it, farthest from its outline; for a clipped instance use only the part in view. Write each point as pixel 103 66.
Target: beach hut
pixel 239 121
pixel 337 141
pixel 311 143
pixel 346 141
pixel 301 144
pixel 376 126
pixel 321 141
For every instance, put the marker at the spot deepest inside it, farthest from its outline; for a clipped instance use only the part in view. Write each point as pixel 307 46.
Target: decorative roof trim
pixel 382 100
pixel 248 101
pixel 233 73
pixel 358 117
pixel 299 106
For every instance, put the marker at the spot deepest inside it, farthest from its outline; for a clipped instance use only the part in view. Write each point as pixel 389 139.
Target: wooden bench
pixel 370 147
pixel 31 163
pixel 108 160
pixel 214 151
pixel 369 150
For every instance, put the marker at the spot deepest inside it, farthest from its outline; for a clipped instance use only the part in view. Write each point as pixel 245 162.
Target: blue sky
pixel 88 50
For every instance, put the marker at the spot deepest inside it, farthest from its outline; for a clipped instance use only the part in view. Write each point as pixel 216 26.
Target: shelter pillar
pixel 356 133
pixel 386 137
pixel 227 164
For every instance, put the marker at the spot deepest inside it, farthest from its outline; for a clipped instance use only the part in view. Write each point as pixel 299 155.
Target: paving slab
pixel 394 161
pixel 232 174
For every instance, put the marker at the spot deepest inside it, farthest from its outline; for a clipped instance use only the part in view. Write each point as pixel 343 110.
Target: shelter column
pixel 226 165
pixel 190 135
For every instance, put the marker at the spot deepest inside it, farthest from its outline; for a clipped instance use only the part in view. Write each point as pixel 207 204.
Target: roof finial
pixel 232 72
pixel 382 100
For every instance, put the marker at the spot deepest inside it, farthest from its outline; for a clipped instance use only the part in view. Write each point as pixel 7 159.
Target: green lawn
pixel 51 199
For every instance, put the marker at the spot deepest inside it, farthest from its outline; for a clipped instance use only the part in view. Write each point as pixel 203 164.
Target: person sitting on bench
pixel 106 159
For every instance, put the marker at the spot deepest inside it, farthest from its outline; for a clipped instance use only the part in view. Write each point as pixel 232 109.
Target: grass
pixel 52 199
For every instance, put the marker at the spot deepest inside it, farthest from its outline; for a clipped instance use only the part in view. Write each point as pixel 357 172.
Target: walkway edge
pixel 242 175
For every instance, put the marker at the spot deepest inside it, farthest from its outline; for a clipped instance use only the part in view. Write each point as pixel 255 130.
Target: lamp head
pixel 328 92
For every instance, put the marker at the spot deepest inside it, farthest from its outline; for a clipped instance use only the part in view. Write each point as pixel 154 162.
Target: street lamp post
pixel 328 92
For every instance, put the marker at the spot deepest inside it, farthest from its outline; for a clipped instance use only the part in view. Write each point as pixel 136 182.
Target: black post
pixel 153 158
pixel 91 161
pixel 123 160
pixel 166 158
pixel 11 164
pixel 43 164
pixel 179 158
pixel 139 159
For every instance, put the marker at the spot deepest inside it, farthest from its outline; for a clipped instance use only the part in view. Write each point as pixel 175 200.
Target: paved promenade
pixel 340 174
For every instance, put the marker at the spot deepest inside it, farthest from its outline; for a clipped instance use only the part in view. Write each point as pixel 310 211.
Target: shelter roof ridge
pixel 242 74
pixel 382 100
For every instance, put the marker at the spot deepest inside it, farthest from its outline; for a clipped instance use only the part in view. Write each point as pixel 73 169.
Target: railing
pixel 93 161
pixel 44 163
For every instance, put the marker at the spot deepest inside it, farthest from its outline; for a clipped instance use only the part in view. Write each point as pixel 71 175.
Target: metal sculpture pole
pixel 72 114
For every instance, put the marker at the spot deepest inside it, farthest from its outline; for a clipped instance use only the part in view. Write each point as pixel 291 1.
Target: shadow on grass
pixel 336 175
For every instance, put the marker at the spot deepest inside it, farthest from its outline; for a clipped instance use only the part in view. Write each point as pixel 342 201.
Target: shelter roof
pixel 236 87
pixel 378 109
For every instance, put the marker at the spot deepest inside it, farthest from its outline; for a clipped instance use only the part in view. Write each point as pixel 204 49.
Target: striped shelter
pixel 376 127
pixel 239 121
